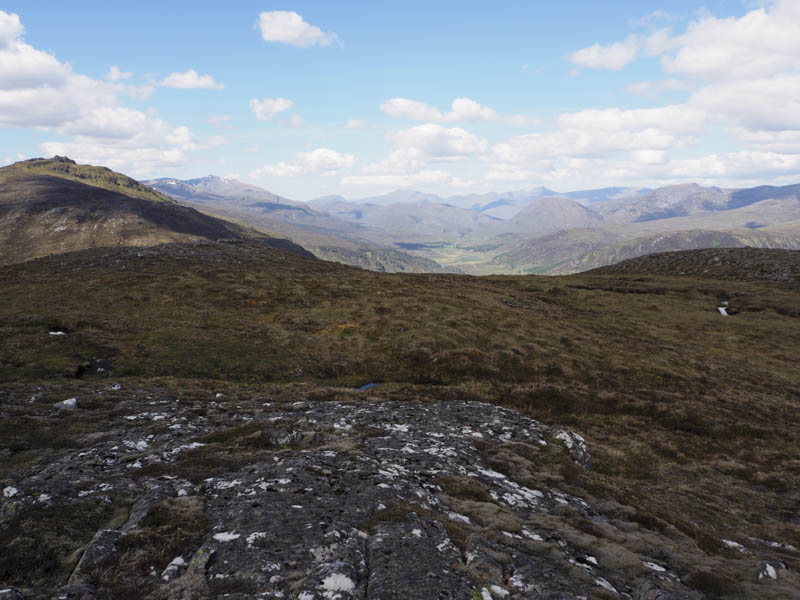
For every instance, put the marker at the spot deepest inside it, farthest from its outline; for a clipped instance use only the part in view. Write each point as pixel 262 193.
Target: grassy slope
pixel 692 418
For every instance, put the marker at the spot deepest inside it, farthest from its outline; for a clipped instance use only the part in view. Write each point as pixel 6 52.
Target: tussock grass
pixel 691 417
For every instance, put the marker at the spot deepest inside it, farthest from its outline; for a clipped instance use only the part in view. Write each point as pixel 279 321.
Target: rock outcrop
pixel 169 497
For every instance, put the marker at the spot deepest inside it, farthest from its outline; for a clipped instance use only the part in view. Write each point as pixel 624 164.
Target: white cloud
pixel 403 108
pixel 598 133
pixel 612 57
pixel 417 155
pixel 587 145
pixel 296 121
pixel 39 91
pixel 463 109
pixel 190 80
pixel 11 29
pixel 288 27
pixel 654 19
pixel 390 180
pixel 736 165
pixel 115 74
pixel 266 108
pixel 741 72
pixel 654 88
pixel 761 43
pixel 435 141
pixel 356 124
pixel 414 148
pixel 321 161
pixel 763 103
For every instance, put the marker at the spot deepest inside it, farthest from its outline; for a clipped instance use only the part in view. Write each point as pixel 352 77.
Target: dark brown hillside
pixel 206 376
pixel 43 214
pixel 743 264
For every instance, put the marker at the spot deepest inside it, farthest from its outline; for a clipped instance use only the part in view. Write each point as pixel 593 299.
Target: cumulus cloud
pixel 417 157
pixel 741 73
pixel 613 56
pixel 598 133
pixel 40 91
pixel 413 149
pixel 190 80
pixel 654 88
pixel 266 108
pixel 321 161
pixel 288 27
pixel 463 109
pixel 654 19
pixel 115 74
pixel 11 29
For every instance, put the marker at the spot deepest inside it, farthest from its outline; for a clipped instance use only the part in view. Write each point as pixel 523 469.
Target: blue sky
pixel 359 98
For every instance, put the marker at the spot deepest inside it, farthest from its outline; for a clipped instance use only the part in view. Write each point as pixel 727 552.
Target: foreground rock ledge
pixel 260 498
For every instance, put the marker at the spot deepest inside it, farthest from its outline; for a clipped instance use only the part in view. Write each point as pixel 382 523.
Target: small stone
pixel 68 404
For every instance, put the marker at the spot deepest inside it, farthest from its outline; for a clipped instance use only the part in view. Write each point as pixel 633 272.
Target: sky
pixel 314 98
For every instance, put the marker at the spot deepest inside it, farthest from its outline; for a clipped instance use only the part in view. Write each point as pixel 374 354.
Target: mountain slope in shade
pixel 46 208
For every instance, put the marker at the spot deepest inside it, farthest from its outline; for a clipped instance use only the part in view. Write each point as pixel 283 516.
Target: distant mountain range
pixel 55 205
pixel 525 231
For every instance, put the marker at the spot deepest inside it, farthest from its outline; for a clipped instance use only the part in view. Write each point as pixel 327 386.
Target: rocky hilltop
pixel 215 494
pixel 51 206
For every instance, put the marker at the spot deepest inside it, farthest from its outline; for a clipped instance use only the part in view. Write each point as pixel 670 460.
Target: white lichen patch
pixel 10 491
pixel 337 582
pixel 454 516
pixel 532 536
pixel 397 428
pixel 226 485
pixel 498 592
pixel 654 567
pixel 226 536
pixel 605 584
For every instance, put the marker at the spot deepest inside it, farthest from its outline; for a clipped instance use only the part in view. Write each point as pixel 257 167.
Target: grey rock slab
pixel 324 499
pixel 100 548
